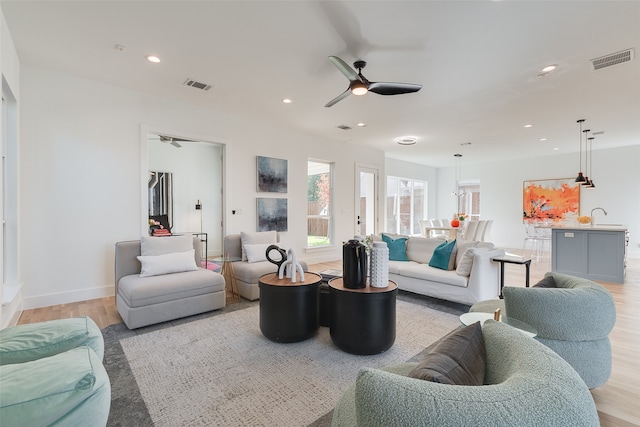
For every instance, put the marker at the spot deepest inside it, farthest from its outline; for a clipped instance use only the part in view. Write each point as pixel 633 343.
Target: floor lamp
pixel 199 208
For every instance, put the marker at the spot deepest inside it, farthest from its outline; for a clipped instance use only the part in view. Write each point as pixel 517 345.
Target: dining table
pixel 453 231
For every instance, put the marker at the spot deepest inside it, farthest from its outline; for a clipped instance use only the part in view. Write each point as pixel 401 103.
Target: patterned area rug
pixel 220 370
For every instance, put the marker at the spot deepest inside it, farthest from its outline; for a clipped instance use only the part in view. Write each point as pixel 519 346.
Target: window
pixel 406 205
pixel 319 203
pixel 470 201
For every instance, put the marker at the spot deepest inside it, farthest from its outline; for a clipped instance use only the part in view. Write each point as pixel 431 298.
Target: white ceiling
pixel 478 63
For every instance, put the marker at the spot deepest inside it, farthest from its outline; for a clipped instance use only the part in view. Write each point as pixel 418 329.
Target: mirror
pixel 185 175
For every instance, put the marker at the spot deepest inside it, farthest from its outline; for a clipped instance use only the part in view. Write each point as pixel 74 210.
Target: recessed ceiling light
pixel 287 101
pixel 556 148
pixel 543 139
pixel 406 140
pixel 528 126
pixel 362 124
pixel 153 58
pixel 549 68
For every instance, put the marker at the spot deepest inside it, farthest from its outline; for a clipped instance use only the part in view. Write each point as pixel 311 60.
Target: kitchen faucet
pixel 593 219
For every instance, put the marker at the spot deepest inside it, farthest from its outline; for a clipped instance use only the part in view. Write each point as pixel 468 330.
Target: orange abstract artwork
pixel 551 200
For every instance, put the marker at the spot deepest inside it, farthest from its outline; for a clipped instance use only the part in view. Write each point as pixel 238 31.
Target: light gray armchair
pixel 574 319
pixel 143 301
pixel 526 384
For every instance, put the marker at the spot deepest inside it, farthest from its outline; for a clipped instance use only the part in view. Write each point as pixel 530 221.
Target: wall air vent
pixel 613 59
pixel 344 127
pixel 197 85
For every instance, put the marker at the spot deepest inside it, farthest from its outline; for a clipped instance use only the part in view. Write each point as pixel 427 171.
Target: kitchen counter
pixel 597 227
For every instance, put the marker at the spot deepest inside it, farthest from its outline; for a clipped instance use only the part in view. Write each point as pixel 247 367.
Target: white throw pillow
pixel 257 253
pixel 463 245
pixel 152 246
pixel 466 262
pixel 176 262
pixel 259 237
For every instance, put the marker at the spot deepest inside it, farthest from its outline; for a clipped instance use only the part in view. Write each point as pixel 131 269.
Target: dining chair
pixel 482 228
pixel 424 223
pixel 470 231
pixel 438 224
pixel 536 237
pixel 485 231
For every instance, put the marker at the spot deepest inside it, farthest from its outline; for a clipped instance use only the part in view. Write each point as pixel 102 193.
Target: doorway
pixel 194 198
pixel 366 210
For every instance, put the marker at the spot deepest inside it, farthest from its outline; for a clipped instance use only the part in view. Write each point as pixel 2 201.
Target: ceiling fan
pixel 359 85
pixel 173 141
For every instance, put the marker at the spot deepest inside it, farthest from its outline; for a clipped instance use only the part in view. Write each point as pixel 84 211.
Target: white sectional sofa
pixel 415 275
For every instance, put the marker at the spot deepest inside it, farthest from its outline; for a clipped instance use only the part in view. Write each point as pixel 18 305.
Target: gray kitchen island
pixel 594 252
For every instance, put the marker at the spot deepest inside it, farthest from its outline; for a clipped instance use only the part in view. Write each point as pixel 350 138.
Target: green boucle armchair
pixel 526 384
pixel 574 319
pixel 51 374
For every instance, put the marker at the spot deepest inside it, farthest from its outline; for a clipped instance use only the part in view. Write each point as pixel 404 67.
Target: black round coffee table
pixel 362 321
pixel 289 311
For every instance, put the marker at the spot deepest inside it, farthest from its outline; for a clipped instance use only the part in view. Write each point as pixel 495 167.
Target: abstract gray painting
pixel 272 214
pixel 272 175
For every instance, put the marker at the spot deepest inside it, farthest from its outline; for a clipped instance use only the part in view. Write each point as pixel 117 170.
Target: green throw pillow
pixel 458 359
pixel 397 248
pixel 444 256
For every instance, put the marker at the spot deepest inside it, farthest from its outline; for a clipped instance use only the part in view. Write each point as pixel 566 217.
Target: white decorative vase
pixel 379 265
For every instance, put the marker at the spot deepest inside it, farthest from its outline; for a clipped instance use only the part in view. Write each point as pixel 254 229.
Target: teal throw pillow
pixel 444 256
pixel 397 248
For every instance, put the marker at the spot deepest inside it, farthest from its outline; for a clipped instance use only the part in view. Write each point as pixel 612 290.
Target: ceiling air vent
pixel 197 85
pixel 613 59
pixel 344 127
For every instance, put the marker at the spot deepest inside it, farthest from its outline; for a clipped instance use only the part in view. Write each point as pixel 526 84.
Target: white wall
pixel 82 173
pixel 501 184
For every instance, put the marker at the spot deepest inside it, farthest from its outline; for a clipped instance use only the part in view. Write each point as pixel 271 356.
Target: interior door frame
pixel 145 130
pixel 375 170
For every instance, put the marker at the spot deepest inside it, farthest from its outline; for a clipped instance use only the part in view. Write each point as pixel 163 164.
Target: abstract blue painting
pixel 272 214
pixel 272 175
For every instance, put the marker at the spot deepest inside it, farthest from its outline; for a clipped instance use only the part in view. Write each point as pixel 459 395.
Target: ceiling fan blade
pixel 339 98
pixel 345 69
pixel 175 144
pixel 386 88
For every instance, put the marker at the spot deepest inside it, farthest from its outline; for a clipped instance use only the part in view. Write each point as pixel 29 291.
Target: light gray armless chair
pixel 574 319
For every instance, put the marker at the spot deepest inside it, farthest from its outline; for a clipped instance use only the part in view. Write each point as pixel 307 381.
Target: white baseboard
pixel 67 297
pixel 11 312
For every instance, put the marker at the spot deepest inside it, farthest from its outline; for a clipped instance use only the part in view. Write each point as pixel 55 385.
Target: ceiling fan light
pixel 549 68
pixel 359 89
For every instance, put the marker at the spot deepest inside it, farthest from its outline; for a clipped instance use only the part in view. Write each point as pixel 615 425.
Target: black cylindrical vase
pixel 354 265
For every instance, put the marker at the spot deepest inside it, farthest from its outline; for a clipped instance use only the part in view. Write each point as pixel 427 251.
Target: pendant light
pixel 586 181
pixel 580 177
pixel 456 192
pixel 591 185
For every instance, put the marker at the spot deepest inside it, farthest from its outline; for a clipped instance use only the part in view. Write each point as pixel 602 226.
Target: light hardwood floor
pixel 617 400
